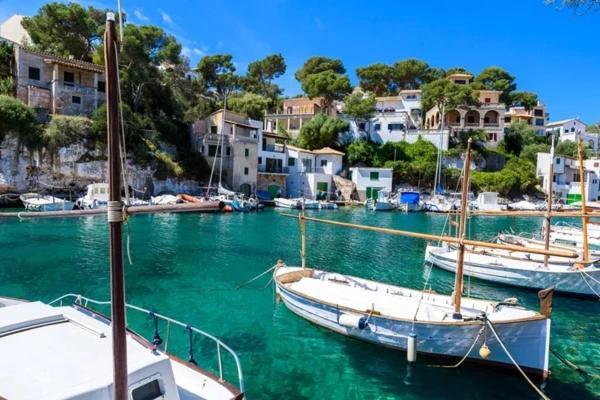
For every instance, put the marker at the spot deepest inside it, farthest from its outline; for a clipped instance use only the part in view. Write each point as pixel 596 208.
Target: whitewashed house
pixel 572 129
pixel 370 181
pixel 272 163
pixel 566 179
pixel 310 172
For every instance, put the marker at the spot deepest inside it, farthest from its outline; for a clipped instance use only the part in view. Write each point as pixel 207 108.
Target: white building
pixel 369 181
pixel 12 30
pixel 566 180
pixel 272 163
pixel 310 172
pixel 572 129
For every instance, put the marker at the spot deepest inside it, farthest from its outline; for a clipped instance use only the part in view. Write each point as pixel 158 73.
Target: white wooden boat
pixel 327 205
pixel 572 245
pixel 287 203
pixel 96 196
pixel 566 277
pixel 51 351
pixel 488 201
pixel 389 315
pixel 384 202
pixel 38 202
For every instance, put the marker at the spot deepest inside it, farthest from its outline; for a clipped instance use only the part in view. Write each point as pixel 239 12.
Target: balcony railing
pixel 274 148
pixel 273 170
pixel 491 124
pixel 472 124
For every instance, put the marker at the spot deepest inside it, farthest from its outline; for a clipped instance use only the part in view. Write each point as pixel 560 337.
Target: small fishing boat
pixel 410 201
pixel 384 202
pixel 287 203
pixel 440 204
pixel 488 201
pixel 38 202
pixel 571 245
pixel 96 197
pixel 164 199
pixel 327 205
pixel 68 348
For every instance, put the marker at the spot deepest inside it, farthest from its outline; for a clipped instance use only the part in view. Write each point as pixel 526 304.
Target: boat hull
pixel 572 282
pixel 527 340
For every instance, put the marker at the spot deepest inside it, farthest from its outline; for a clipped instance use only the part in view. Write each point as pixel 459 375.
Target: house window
pixel 228 151
pixel 76 100
pixel 539 122
pixel 246 152
pixel 377 127
pixel 246 171
pixel 538 112
pixel 460 82
pixel 361 126
pixel 392 127
pixel 573 129
pixel 260 160
pixel 488 100
pixel 507 120
pixel 34 73
pixel 69 78
pixel 213 129
pixel 291 161
pixel 213 150
pixel 558 160
pixel 323 163
pixel 101 86
pixel 374 176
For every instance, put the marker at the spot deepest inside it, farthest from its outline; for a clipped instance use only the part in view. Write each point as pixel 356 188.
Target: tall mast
pixel 222 137
pixel 548 220
pixel 115 215
pixel 584 218
pixel 438 165
pixel 458 284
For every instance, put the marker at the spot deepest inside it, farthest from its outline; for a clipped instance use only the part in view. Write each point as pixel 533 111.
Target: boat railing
pixel 84 301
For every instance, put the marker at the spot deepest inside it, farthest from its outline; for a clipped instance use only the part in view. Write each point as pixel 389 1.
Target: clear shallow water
pixel 188 267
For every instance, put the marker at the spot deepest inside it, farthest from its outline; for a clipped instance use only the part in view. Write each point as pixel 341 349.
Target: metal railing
pixel 81 300
pixel 274 170
pixel 274 148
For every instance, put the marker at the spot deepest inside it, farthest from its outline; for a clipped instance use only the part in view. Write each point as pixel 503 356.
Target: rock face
pixel 346 186
pixel 75 168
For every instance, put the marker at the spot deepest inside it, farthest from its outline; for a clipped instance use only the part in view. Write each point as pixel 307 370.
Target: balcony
pixel 491 124
pixel 472 124
pixel 272 169
pixel 75 88
pixel 274 148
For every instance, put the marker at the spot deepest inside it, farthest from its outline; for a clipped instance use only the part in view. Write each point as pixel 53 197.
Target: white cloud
pixel 193 51
pixel 140 16
pixel 166 17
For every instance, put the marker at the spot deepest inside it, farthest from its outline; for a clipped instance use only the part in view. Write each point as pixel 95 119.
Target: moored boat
pixel 38 202
pixel 68 347
pixel 384 202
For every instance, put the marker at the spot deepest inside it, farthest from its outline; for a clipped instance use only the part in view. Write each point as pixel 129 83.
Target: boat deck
pixel 392 301
pixel 61 352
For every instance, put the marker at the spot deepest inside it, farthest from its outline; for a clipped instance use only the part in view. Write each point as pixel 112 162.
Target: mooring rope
pixel 583 275
pixel 257 277
pixel 458 364
pixel 570 364
pixel 537 389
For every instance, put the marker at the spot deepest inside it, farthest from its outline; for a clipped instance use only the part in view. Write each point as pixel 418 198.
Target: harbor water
pixel 188 266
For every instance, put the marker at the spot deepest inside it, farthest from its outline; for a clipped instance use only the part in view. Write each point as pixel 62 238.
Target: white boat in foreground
pixel 65 352
pixel 38 202
pixel 390 315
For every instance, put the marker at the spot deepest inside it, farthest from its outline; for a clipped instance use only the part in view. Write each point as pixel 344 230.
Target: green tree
pixel 17 120
pixel 6 68
pixel 412 74
pixel 456 70
pixel 321 131
pixel 593 128
pixel 516 136
pixel 315 65
pixel 527 100
pixel 260 76
pixel 518 176
pixel 376 78
pixel 360 107
pixel 251 104
pixel 324 77
pixel 66 29
pixel 361 152
pixel 64 130
pixel 496 78
pixel 447 95
pixel 530 151
pixel 218 73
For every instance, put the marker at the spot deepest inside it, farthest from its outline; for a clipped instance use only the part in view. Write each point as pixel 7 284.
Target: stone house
pixel 296 112
pixel 238 149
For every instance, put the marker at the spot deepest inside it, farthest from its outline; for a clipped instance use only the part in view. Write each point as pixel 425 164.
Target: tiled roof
pixel 328 150
pixel 51 58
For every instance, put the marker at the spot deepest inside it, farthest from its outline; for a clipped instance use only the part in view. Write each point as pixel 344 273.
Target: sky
pixel 552 51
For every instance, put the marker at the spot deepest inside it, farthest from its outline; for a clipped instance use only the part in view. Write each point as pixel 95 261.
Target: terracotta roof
pixel 328 150
pixel 274 135
pixel 299 149
pixel 51 58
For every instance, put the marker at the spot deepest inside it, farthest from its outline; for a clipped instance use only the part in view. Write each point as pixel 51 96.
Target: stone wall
pixel 27 172
pixel 264 180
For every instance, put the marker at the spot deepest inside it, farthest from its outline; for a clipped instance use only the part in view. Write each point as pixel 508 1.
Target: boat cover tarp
pixel 409 197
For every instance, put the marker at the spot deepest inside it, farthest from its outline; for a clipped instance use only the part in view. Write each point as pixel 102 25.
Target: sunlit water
pixel 188 267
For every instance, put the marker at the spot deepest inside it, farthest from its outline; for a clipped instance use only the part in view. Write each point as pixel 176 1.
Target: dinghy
pixel 384 202
pixel 38 202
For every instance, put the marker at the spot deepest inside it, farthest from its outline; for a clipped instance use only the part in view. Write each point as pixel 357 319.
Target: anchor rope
pixel 257 277
pixel 570 364
pixel 537 389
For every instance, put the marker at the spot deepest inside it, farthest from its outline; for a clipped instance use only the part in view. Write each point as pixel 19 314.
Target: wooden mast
pixel 458 283
pixel 584 218
pixel 115 216
pixel 302 236
pixel 548 220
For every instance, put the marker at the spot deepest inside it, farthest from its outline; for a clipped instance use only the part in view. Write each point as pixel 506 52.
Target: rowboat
pixel 38 202
pixel 62 350
pixel 390 316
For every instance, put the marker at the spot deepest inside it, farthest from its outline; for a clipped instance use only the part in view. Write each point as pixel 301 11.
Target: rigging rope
pixel 458 364
pixel 583 275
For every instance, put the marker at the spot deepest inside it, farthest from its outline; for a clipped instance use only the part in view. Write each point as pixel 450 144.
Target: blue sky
pixel 553 52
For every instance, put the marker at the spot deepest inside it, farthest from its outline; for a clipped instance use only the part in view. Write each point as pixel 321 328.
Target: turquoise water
pixel 188 267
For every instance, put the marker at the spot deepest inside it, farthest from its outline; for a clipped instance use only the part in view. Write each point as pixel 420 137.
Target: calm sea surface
pixel 188 267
